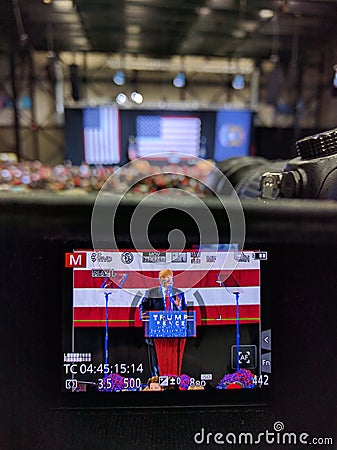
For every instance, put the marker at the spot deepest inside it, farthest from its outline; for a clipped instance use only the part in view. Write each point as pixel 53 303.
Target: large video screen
pixel 108 135
pixel 170 323
pixel 232 134
pixel 167 133
pixel 101 135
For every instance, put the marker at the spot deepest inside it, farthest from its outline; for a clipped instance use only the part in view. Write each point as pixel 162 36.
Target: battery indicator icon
pixel 260 255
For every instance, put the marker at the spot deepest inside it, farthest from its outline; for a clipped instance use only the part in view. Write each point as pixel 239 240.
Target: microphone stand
pixel 237 320
pixel 237 317
pixel 106 339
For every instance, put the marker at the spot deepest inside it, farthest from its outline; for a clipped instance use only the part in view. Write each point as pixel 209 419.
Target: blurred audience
pixel 141 177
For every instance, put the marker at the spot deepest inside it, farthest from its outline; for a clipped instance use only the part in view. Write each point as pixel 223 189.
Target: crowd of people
pixel 140 176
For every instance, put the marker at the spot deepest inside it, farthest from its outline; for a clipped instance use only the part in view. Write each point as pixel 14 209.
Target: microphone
pixel 219 280
pixel 232 286
pixel 123 280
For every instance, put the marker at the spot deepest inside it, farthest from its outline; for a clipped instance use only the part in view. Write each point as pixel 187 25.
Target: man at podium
pixel 165 354
pixel 165 296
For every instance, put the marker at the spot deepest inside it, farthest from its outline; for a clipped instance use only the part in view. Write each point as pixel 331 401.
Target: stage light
pixel 180 80
pixel 137 97
pixel 121 98
pixel 238 82
pixel 119 78
pixel 266 14
pixel 63 5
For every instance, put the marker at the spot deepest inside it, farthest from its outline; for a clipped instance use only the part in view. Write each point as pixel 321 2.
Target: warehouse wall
pixel 41 129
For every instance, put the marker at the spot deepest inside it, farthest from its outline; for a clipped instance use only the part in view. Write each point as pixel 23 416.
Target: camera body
pixel 312 175
pixel 298 289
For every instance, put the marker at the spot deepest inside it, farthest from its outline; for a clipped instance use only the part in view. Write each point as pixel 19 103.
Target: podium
pixel 169 330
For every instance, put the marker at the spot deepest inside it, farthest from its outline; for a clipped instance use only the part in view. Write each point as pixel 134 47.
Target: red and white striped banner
pixel 214 304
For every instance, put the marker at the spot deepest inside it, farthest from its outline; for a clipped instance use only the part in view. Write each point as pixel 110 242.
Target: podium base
pixel 170 355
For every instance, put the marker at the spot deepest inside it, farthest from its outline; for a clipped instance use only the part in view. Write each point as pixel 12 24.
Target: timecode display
pixel 121 368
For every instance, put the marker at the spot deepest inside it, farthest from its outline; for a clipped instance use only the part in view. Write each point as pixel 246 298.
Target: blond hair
pixel 165 273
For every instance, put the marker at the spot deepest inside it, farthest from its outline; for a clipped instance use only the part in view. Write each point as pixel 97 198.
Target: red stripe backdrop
pixel 183 279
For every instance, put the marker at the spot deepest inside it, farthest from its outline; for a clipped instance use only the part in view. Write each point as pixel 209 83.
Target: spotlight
pixel 266 14
pixel 180 80
pixel 119 78
pixel 238 82
pixel 121 98
pixel 137 97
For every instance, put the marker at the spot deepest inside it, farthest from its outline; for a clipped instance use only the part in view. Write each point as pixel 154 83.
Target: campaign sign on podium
pixel 171 324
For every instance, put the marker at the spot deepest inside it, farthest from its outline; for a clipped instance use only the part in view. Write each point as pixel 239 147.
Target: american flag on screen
pixel 101 135
pixel 213 303
pixel 156 134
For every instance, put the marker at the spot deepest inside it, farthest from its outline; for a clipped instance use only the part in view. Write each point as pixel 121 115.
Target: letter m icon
pixel 76 260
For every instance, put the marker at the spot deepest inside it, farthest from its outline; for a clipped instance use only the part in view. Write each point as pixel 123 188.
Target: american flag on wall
pixel 156 134
pixel 213 303
pixel 101 135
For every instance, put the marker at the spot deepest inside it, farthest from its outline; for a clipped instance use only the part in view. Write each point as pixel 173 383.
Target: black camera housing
pixel 301 240
pixel 314 178
pixel 312 175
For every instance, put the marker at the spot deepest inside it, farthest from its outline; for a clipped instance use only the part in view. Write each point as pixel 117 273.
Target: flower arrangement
pixel 243 378
pixel 184 382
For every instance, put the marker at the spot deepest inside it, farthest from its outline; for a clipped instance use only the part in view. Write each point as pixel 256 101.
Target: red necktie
pixel 167 301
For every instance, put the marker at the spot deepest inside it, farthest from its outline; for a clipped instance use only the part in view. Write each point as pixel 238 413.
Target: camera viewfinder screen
pixel 170 323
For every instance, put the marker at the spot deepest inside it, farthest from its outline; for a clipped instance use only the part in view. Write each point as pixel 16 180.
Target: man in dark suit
pixel 164 297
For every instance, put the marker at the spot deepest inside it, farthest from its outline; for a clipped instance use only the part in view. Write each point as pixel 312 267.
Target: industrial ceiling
pixel 257 29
